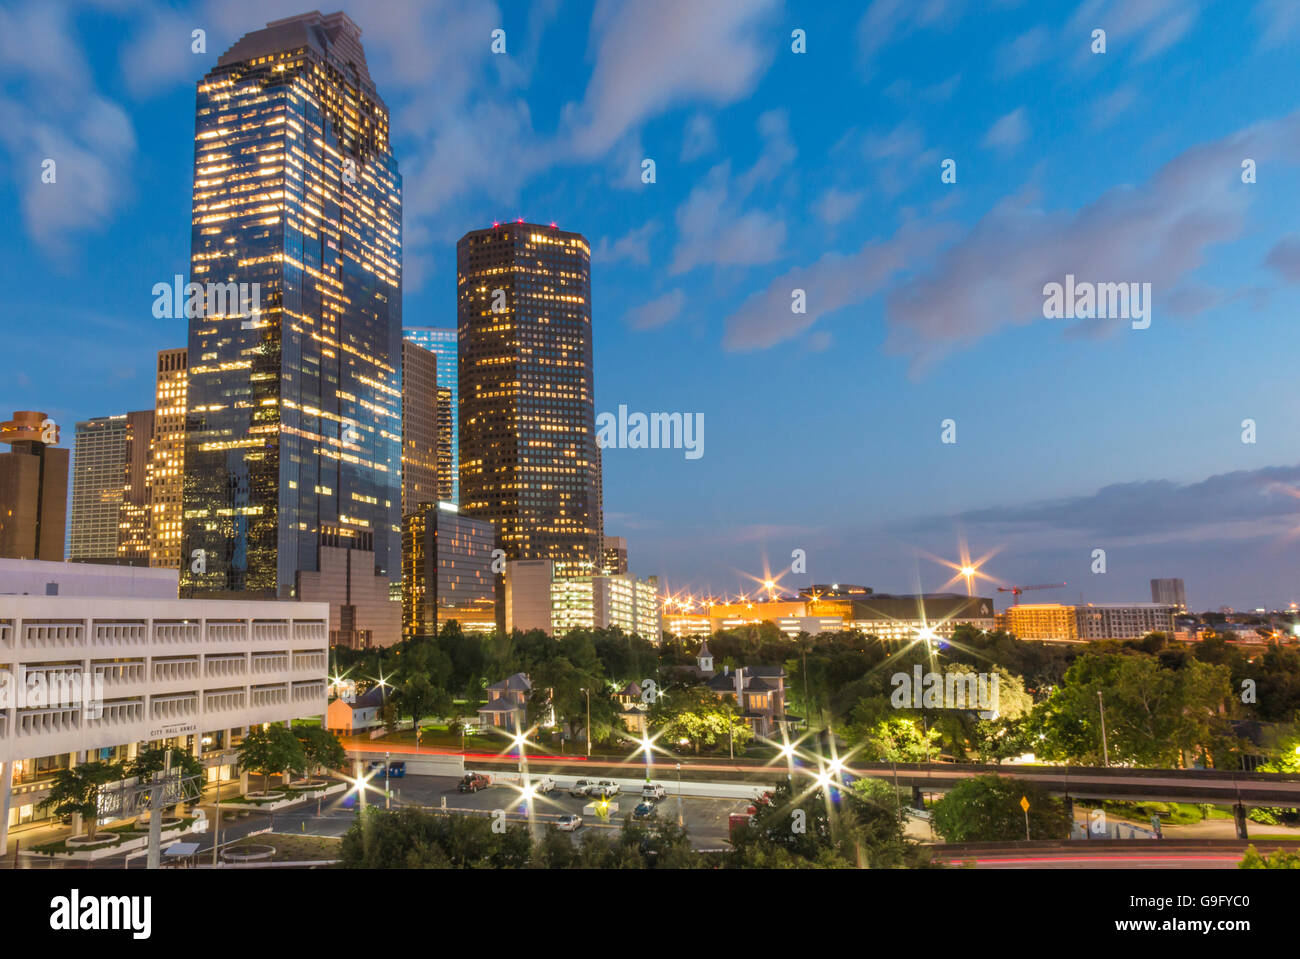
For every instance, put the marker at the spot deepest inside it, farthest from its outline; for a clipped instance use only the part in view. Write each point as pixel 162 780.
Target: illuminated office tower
pixel 136 514
pixel 109 516
pixel 442 342
pixel 446 458
pixel 528 457
pixel 167 470
pixel 419 427
pixel 293 434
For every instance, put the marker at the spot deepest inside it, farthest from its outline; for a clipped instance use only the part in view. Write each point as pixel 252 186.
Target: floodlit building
pixel 362 609
pixel 120 671
pixel 33 489
pixel 419 427
pixel 110 489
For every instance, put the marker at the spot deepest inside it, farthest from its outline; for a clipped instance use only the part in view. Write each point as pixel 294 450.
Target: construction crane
pixel 1015 591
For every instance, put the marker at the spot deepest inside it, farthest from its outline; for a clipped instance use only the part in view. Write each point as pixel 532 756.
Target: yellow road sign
pixel 1024 804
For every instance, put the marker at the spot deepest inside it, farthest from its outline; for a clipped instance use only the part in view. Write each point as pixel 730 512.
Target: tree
pixel 274 749
pixel 1278 859
pixel 848 828
pixel 412 838
pixel 417 698
pixel 987 809
pixel 154 760
pixel 895 739
pixel 76 791
pixel 320 748
pixel 699 716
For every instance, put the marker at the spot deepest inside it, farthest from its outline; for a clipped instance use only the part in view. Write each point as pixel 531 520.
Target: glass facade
pixel 446 571
pixel 294 420
pixel 528 456
pixel 442 342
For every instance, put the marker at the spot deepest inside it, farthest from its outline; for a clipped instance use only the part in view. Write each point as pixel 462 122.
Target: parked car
pixel 653 791
pixel 397 770
pixel 472 783
pixel 545 785
pixel 644 810
pixel 580 787
pixel 605 787
pixel 376 766
pixel 569 823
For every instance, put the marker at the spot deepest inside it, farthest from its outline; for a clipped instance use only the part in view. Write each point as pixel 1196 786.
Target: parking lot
pixel 704 817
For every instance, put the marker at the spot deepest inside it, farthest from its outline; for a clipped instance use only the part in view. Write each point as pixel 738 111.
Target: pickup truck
pixel 544 786
pixel 653 791
pixel 580 787
pixel 603 788
pixel 472 783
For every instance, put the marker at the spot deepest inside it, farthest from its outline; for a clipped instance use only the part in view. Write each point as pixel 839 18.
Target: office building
pixel 446 571
pixel 614 555
pixel 419 427
pixel 137 513
pixel 294 426
pixel 135 670
pixel 363 612
pixel 1057 622
pixel 528 456
pixel 109 515
pixel 1169 592
pixel 447 481
pixel 441 341
pixel 537 598
pixel 167 468
pixel 33 488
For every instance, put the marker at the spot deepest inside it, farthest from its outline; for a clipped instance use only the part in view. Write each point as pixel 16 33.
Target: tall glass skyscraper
pixel 442 341
pixel 294 420
pixel 528 455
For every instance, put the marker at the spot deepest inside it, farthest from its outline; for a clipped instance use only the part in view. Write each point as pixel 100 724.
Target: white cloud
pixel 1008 132
pixel 658 312
pixel 836 205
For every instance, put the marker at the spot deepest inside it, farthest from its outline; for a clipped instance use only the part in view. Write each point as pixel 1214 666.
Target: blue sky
pixel 777 170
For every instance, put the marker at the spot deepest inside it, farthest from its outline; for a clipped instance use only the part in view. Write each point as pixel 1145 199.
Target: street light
pixel 387 793
pixel 679 792
pixel 588 736
pixel 1105 752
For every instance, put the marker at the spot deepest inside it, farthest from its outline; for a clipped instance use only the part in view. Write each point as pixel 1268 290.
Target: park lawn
pixel 293 848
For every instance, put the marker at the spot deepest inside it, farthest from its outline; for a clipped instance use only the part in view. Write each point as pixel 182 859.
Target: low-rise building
pixel 116 672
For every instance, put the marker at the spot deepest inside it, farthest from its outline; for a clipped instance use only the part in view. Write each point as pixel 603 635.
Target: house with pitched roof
pixel 760 693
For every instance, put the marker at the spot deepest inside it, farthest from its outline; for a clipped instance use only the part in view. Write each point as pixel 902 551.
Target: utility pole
pixel 1105 751
pixel 216 829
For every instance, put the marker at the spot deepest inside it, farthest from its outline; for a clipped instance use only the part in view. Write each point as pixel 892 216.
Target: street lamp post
pixel 216 829
pixel 587 692
pixel 679 794
pixel 1105 750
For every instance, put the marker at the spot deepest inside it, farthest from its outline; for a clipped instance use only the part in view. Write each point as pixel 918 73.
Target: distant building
pixel 362 612
pixel 580 602
pixel 110 463
pixel 614 553
pixel 446 571
pixel 442 342
pixel 1169 592
pixel 1057 622
pixel 38 578
pixel 167 466
pixel 832 609
pixel 33 489
pixel 419 427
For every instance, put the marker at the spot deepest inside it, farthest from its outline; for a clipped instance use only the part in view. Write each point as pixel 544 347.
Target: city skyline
pixel 1139 458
